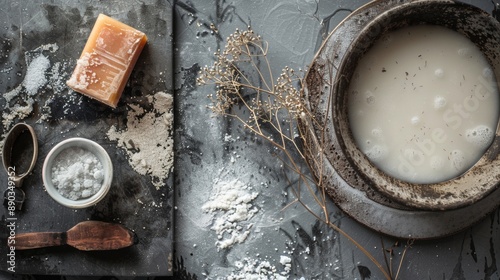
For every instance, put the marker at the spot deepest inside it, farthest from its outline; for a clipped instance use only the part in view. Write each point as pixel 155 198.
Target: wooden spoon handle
pixel 33 240
pixel 86 236
pixel 95 235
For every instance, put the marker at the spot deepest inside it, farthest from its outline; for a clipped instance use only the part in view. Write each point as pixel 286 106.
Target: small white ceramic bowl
pixel 88 145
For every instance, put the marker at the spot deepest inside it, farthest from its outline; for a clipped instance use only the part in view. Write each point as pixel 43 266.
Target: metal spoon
pixel 20 147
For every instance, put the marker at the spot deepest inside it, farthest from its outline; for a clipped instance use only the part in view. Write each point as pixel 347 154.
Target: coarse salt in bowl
pixel 89 169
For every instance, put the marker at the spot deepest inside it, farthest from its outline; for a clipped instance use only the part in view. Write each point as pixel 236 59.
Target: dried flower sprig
pixel 266 100
pixel 243 77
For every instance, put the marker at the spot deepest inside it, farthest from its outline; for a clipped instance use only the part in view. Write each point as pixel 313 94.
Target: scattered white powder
pixel 285 260
pixel 77 173
pixel 58 76
pixel 228 138
pixel 13 93
pixel 33 80
pixel 10 113
pixel 38 75
pixel 148 138
pixel 6 70
pixel 250 269
pixel 48 47
pixel 231 205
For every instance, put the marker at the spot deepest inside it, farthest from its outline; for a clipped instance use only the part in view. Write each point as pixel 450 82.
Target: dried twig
pixel 243 77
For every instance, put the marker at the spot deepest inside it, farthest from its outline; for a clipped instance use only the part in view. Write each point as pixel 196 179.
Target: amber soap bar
pixel 107 60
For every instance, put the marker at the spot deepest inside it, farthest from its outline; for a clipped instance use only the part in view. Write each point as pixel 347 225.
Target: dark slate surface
pixel 25 27
pixel 295 31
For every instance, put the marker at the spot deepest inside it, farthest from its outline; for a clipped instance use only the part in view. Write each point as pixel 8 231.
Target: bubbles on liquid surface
pixel 487 73
pixel 439 73
pixel 377 133
pixel 439 102
pixel 416 157
pixel 464 52
pixel 370 100
pixel 377 152
pixel 369 97
pixel 480 135
pixel 457 158
pixel 415 120
pixel 436 162
pixel 424 115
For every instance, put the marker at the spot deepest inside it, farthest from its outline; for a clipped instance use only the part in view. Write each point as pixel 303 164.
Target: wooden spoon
pixel 85 236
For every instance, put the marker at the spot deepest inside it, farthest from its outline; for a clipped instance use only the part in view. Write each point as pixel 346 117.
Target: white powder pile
pixel 261 269
pixel 33 81
pixel 39 74
pixel 10 113
pixel 77 173
pixel 231 205
pixel 148 138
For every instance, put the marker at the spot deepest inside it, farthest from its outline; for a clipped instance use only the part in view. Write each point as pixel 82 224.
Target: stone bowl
pixel 484 176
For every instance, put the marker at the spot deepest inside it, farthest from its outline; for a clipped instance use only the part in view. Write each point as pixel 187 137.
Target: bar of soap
pixel 107 60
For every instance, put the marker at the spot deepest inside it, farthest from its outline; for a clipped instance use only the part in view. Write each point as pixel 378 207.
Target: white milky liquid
pixel 423 104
